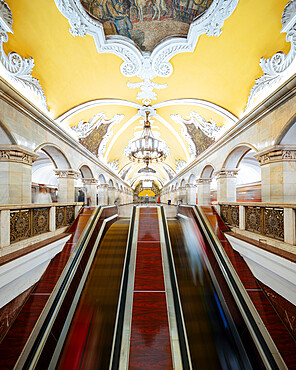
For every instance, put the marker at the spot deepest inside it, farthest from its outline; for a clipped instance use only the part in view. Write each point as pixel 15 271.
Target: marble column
pixel 16 174
pixel 191 194
pixel 103 194
pixel 278 174
pixel 91 189
pixel 111 195
pixel 226 184
pixel 66 183
pixel 204 192
pixel 175 196
pixel 182 194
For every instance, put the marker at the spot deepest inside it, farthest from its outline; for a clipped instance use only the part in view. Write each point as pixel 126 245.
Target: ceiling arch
pixel 208 76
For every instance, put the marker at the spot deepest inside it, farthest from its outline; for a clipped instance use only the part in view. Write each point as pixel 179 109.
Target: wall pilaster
pixel 66 183
pixel 16 174
pixel 204 192
pixel 226 184
pixel 278 174
pixel 91 189
pixel 190 194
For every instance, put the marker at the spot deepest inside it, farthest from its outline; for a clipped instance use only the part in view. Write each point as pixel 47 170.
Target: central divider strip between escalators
pixel 118 331
pixel 183 343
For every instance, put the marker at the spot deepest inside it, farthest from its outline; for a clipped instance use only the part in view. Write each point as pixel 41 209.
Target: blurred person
pixel 43 197
pixel 53 195
pixel 81 196
pixel 88 199
pixel 193 245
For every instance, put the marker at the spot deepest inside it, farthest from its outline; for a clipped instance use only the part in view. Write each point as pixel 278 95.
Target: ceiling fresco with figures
pixel 199 66
pixel 146 22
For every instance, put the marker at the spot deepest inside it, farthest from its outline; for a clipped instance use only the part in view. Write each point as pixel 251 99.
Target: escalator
pixel 226 328
pixel 90 337
pixel 213 340
pixel 153 294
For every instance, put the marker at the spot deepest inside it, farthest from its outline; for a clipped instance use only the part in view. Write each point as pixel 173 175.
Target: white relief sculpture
pixel 147 86
pixel 15 68
pixel 114 165
pixel 146 65
pixel 171 173
pixel 209 128
pixel 179 165
pixel 280 66
pixel 83 129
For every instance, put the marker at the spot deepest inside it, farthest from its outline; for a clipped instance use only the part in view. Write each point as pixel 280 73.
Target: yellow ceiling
pixel 221 70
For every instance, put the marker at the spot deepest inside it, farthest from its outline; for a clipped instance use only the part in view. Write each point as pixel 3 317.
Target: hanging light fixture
pixel 147 148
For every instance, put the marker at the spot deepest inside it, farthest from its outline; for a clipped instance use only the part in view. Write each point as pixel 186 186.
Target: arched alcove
pixel 102 179
pixel 6 138
pixel 192 179
pixel 248 181
pixel 288 134
pixel 86 172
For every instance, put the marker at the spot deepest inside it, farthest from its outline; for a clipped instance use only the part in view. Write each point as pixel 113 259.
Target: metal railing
pixel 26 221
pixel 276 221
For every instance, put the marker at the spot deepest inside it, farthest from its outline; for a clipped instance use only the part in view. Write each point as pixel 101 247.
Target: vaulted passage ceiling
pixel 192 89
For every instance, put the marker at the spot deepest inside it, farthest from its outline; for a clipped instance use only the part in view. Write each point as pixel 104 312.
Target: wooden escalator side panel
pixel 278 331
pixel 15 339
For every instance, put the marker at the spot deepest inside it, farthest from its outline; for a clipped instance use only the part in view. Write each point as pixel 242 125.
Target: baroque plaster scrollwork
pixel 114 165
pixel 84 129
pixel 280 66
pixel 179 164
pixel 15 68
pixel 16 153
pixel 277 154
pixel 68 173
pixel 146 65
pixel 210 129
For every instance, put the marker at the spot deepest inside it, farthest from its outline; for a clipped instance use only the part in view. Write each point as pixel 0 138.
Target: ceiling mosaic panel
pixel 146 22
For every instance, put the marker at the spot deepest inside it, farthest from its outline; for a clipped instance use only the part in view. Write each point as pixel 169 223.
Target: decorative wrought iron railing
pixel 230 214
pixel 64 215
pixel 275 221
pixel 25 223
pixel 20 222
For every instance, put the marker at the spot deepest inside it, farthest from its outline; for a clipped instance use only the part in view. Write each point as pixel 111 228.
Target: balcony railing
pixel 276 221
pixel 20 222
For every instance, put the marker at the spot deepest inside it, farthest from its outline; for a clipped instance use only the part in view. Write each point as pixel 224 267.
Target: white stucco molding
pixel 146 65
pixel 210 128
pixel 95 103
pixel 274 271
pixel 15 69
pixel 280 67
pixel 20 274
pixel 233 119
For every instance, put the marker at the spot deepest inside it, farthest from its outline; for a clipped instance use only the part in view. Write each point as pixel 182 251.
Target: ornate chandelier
pixel 147 148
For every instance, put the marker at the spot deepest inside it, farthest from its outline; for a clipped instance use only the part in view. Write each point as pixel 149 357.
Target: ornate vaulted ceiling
pixel 194 83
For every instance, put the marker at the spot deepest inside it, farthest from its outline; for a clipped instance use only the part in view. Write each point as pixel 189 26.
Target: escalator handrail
pixel 183 341
pixel 118 330
pixel 34 345
pixel 257 329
